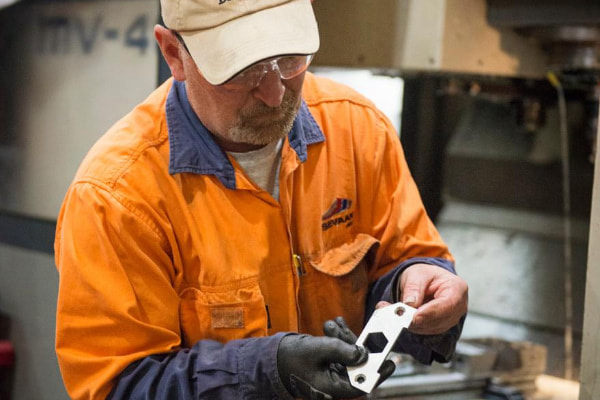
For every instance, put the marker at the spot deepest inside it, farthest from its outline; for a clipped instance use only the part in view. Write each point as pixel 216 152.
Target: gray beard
pixel 272 125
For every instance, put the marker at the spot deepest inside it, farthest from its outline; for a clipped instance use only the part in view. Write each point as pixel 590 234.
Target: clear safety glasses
pixel 287 67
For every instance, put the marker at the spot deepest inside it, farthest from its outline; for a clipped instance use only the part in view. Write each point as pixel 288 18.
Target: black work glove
pixel 306 365
pixel 337 328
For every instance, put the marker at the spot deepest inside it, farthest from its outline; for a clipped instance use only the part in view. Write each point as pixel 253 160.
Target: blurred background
pixel 496 106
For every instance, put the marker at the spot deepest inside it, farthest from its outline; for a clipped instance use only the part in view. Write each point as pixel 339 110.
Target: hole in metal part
pixel 360 378
pixel 375 342
pixel 400 311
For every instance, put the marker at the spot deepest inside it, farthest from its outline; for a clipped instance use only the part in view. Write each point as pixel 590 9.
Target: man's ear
pixel 171 51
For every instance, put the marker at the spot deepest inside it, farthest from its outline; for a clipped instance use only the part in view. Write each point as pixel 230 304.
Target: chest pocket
pixel 223 313
pixel 336 284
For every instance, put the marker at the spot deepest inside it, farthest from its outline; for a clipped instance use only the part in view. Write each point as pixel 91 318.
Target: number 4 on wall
pixel 137 34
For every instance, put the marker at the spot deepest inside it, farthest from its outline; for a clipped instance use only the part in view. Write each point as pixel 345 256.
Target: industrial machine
pixel 500 110
pixel 499 123
pixel 481 369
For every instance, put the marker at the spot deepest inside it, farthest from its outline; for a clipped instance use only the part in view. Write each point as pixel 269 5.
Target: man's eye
pixel 254 72
pixel 288 63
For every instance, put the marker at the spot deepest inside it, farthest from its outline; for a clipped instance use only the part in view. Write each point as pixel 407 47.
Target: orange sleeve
pixel 116 302
pixel 397 216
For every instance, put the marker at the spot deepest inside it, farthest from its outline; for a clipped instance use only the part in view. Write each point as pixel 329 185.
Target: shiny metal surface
pixel 569 47
pixel 387 322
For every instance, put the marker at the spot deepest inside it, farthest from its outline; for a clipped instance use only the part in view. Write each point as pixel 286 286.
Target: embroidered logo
pixel 338 206
pixel 333 217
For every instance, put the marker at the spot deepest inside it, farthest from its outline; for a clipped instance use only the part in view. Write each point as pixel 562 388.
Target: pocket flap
pixel 342 259
pixel 223 313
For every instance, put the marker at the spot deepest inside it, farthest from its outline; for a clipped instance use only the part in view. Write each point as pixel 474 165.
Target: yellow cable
pixel 553 79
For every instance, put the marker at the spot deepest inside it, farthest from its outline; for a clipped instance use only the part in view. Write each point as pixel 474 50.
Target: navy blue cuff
pixel 257 368
pixel 239 369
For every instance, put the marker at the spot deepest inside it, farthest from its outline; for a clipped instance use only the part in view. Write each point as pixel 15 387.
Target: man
pixel 244 202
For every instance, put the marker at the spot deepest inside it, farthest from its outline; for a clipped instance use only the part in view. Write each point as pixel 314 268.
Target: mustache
pixel 288 104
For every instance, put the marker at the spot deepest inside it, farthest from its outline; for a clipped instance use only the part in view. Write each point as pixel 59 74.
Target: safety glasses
pixel 287 67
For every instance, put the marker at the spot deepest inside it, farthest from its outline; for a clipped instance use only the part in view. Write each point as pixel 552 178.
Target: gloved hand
pixel 338 328
pixel 307 366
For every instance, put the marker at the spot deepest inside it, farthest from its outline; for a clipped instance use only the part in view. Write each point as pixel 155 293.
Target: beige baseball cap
pixel 226 36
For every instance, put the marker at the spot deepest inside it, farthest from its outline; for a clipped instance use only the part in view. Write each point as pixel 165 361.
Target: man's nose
pixel 270 90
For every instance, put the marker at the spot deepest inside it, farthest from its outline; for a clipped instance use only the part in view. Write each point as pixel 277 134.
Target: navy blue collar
pixel 193 149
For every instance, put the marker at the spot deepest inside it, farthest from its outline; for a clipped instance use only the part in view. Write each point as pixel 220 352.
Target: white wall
pixel 68 71
pixel 76 67
pixel 590 374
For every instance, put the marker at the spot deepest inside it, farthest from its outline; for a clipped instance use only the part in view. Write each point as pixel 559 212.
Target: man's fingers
pixel 331 329
pixel 436 317
pixel 412 294
pixel 413 283
pixel 440 297
pixel 334 350
pixel 338 328
pixel 386 370
pixel 315 367
pixel 445 310
pixel 381 304
pixel 346 333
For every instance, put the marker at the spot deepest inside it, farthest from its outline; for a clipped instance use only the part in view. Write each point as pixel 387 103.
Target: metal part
pixel 480 367
pixel 494 392
pixel 6 3
pixel 569 47
pixel 378 338
pixel 515 13
pixel 432 386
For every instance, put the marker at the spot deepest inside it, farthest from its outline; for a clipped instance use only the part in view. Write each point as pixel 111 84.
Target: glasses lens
pixel 288 67
pixel 247 79
pixel 291 66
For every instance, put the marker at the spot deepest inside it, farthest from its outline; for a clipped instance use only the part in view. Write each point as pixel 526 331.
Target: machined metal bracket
pixel 384 328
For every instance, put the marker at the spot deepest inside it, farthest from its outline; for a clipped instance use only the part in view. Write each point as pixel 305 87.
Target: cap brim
pixel 225 50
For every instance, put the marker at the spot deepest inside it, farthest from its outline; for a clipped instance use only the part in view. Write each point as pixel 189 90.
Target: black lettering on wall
pixel 54 35
pixel 88 39
pixel 136 35
pixel 60 34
